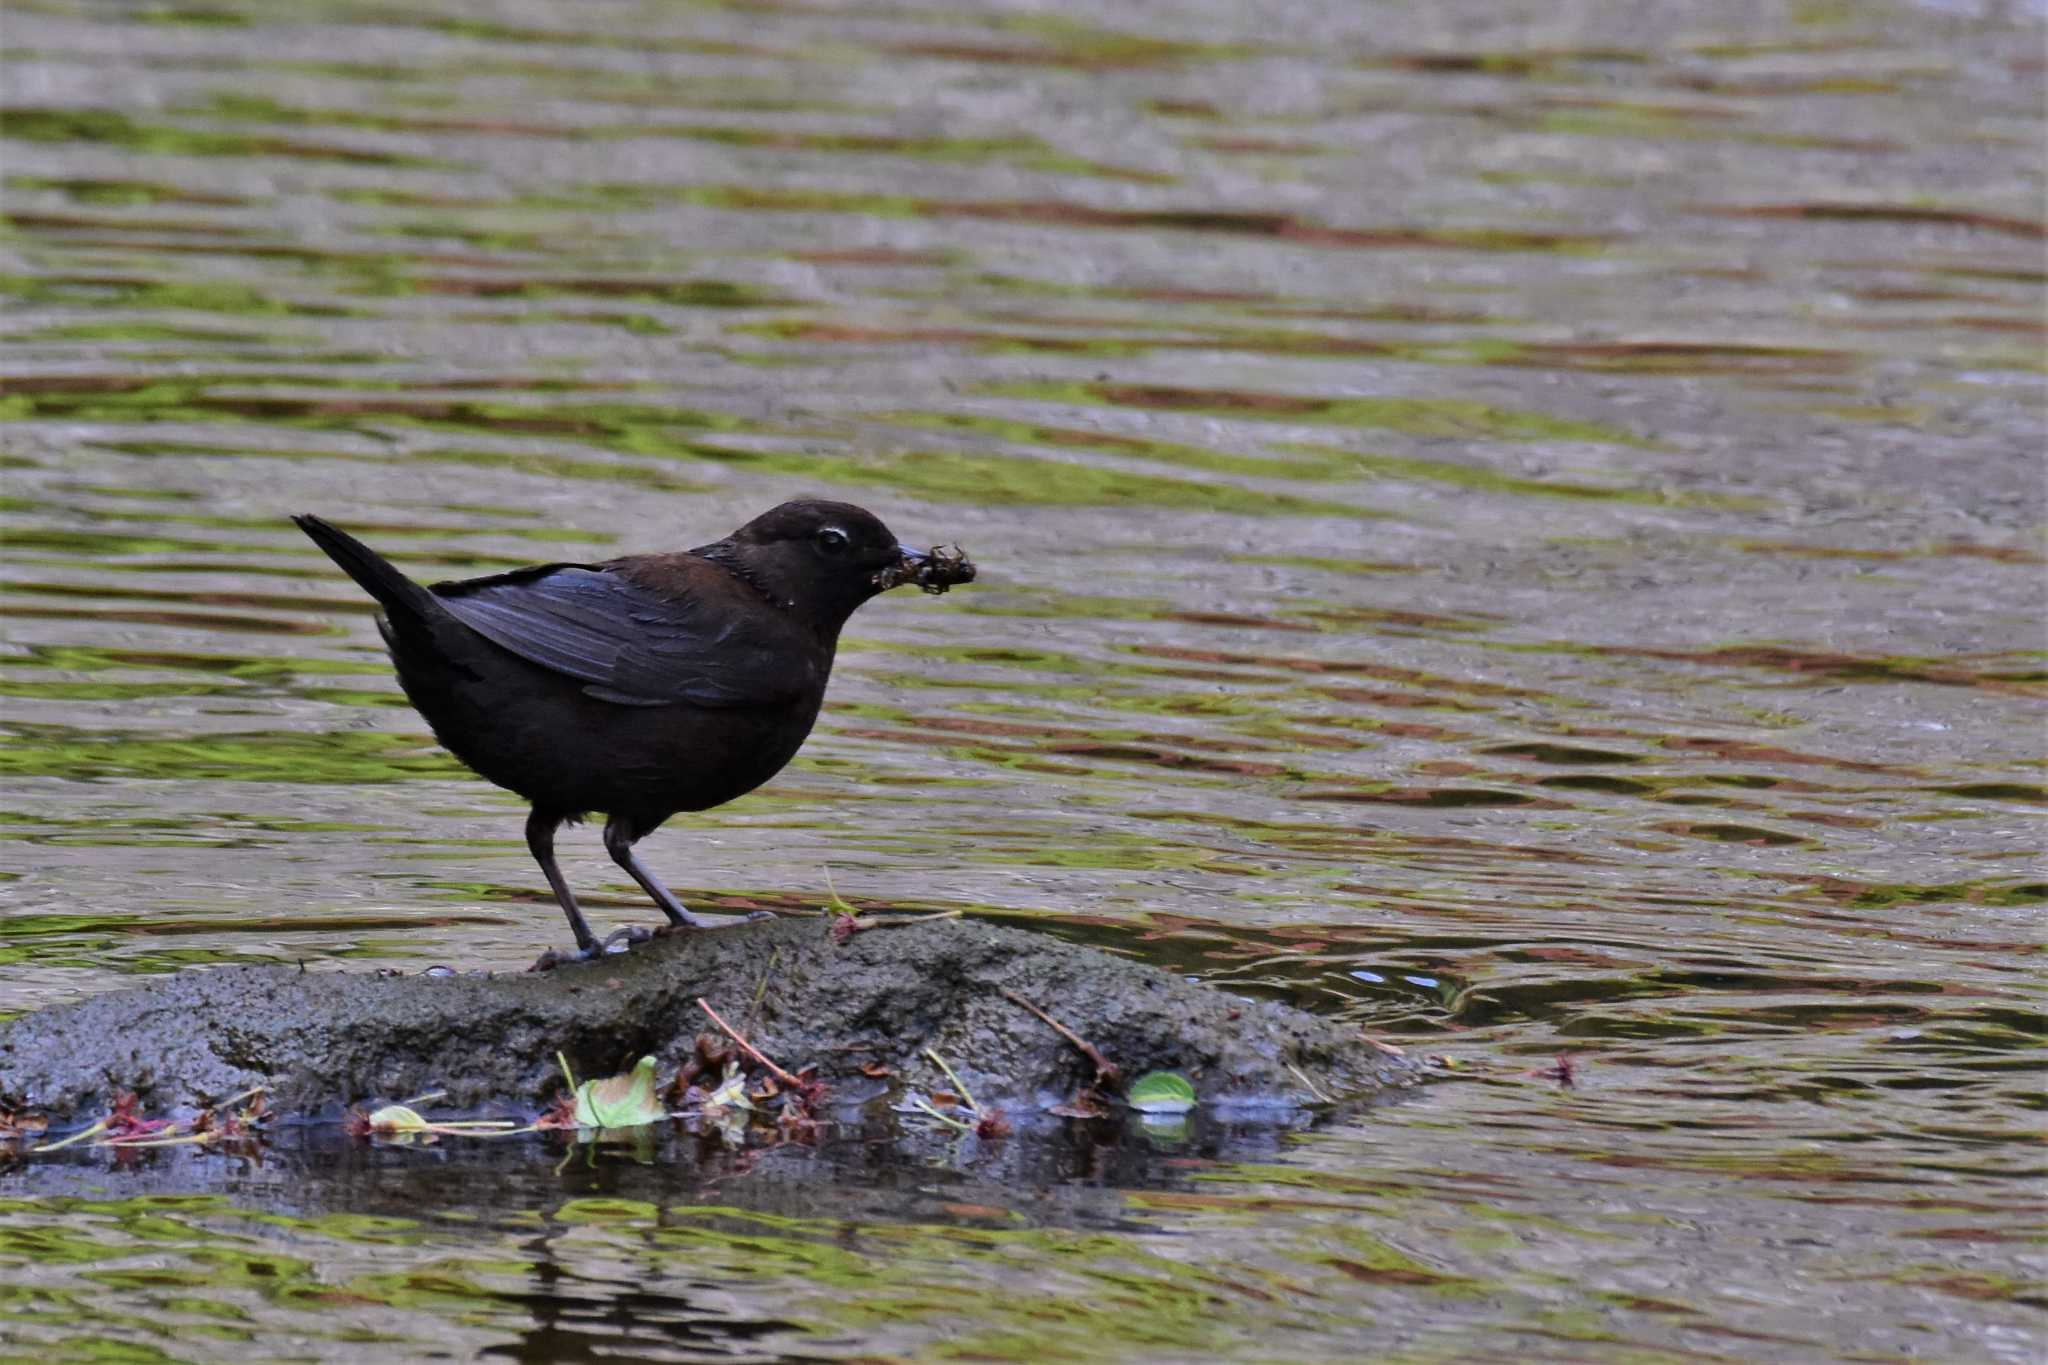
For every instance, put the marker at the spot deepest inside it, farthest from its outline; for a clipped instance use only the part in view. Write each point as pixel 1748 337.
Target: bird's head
pixel 826 558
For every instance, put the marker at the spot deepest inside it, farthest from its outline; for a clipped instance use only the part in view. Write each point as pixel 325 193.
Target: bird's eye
pixel 832 540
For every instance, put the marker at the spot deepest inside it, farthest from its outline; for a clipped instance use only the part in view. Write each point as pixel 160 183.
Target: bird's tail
pixel 401 598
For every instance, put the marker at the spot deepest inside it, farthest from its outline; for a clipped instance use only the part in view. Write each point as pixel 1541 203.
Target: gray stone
pixel 319 1040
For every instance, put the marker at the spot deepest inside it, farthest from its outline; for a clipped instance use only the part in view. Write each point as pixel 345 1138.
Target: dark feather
pixel 627 644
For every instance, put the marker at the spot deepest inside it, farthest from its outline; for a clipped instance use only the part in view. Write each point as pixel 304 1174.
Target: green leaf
pixel 1162 1092
pixel 731 1092
pixel 397 1118
pixel 1164 1130
pixel 620 1101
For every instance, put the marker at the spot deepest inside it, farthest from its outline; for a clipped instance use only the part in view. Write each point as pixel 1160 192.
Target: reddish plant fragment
pixel 810 1088
pixel 1564 1071
pixel 1086 1104
pixel 1106 1071
pixel 233 1125
pixel 685 1081
pixel 356 1123
pixel 714 1050
pixel 797 1124
pixel 875 1070
pixel 785 1077
pixel 992 1125
pixel 125 1122
pixel 709 1053
pixel 560 1114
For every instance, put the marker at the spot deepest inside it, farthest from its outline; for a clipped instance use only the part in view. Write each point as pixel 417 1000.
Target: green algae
pixel 28 123
pixel 156 331
pixel 1020 481
pixel 1336 465
pixel 343 756
pixel 936 476
pixel 1325 563
pixel 511 461
pixel 1435 417
pixel 119 192
pixel 364 406
pixel 1470 476
pixel 199 296
pixel 1029 152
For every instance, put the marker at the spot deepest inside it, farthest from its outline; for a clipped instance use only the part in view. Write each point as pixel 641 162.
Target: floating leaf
pixel 728 1106
pixel 1164 1130
pixel 731 1092
pixel 397 1118
pixel 624 1101
pixel 1162 1092
pixel 403 1123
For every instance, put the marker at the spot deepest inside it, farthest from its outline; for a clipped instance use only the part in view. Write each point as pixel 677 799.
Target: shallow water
pixel 1519 526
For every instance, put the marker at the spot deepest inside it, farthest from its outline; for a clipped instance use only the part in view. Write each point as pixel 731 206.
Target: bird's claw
pixel 699 923
pixel 617 941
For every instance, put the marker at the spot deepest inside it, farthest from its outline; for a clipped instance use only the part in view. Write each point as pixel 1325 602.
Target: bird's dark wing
pixel 628 644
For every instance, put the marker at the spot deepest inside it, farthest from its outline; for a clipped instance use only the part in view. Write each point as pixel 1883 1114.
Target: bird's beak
pixel 934 570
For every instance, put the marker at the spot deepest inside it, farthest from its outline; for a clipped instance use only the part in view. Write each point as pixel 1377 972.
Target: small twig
pixel 958 1084
pixel 182 1140
pixel 838 905
pixel 1105 1070
pixel 79 1136
pixel 858 924
pixel 902 920
pixel 777 1072
pixel 252 1091
pixel 1313 1088
pixel 1388 1048
pixel 417 1100
pixel 761 990
pixel 925 1107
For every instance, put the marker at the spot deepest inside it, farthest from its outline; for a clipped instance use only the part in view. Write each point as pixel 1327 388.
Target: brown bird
pixel 639 686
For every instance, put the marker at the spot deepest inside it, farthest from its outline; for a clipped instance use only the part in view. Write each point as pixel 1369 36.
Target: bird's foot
pixel 618 941
pixel 555 957
pixel 696 923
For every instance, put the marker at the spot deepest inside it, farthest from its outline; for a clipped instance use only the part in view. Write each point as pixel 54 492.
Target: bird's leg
pixel 619 835
pixel 540 840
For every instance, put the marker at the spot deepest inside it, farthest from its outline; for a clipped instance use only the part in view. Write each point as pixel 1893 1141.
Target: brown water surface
pixel 1517 525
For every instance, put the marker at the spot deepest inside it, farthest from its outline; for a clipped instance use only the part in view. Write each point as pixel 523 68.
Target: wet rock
pixel 319 1040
